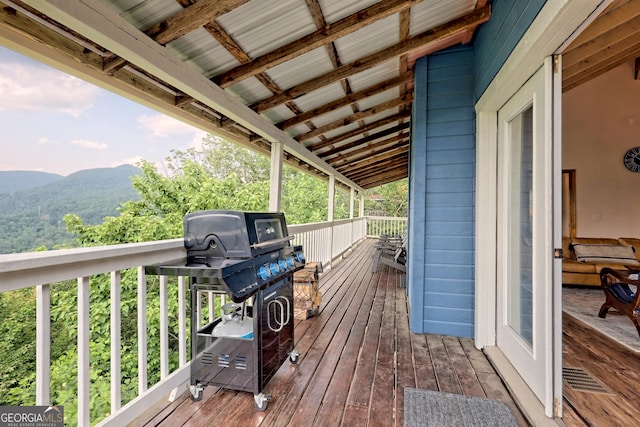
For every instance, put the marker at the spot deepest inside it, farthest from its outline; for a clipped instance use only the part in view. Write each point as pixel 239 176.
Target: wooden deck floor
pixel 609 363
pixel 357 356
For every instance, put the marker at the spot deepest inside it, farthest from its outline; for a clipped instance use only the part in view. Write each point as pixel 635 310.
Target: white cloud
pixel 46 141
pixel 35 88
pixel 196 142
pixel 93 145
pixel 164 126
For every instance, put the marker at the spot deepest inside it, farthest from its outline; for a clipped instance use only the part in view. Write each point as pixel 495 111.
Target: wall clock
pixel 632 159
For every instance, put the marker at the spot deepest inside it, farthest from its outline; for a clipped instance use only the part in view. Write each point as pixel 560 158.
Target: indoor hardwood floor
pixel 357 356
pixel 611 364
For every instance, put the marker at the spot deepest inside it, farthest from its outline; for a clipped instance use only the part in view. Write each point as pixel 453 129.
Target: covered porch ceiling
pixel 612 39
pixel 330 79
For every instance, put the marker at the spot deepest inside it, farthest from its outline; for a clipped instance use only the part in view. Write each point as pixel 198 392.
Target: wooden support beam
pixel 345 121
pixel 335 150
pixel 190 19
pixel 349 99
pixel 370 127
pixel 375 160
pixel 383 164
pixel 364 153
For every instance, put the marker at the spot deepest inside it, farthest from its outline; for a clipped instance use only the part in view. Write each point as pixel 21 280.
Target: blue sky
pixel 53 122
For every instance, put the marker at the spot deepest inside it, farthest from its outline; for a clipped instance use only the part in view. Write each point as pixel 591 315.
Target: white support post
pixel 43 345
pixel 142 331
pixel 361 211
pixel 332 196
pixel 182 321
pixel 116 375
pixel 275 190
pixel 83 351
pixel 331 202
pixel 164 327
pixel 352 199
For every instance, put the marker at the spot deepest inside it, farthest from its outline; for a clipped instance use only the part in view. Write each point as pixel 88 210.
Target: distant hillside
pixel 14 181
pixel 34 217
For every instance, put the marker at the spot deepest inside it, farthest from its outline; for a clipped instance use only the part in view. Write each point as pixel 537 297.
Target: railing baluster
pixel 142 331
pixel 212 306
pixel 182 321
pixel 198 318
pixel 116 374
pixel 83 351
pixel 43 344
pixel 164 327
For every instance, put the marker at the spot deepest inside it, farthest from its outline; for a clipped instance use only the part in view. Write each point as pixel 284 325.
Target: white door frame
pixel 557 22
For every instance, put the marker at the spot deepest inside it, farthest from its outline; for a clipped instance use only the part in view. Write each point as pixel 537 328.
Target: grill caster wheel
pixel 294 356
pixel 196 392
pixel 260 401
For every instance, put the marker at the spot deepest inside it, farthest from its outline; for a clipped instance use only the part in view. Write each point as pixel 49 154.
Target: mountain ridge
pixel 33 217
pixel 20 180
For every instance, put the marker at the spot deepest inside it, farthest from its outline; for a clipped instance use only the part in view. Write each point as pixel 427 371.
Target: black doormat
pixel 427 408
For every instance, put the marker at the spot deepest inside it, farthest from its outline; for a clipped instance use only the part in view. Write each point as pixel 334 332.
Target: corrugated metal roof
pixel 333 10
pixel 301 69
pixel 262 26
pixel 368 78
pixel 431 13
pixel 146 13
pixel 250 90
pixel 320 97
pixel 202 50
pixel 374 100
pixel 370 39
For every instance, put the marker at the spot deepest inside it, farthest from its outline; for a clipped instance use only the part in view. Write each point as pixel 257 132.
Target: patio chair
pixel 620 295
pixel 392 253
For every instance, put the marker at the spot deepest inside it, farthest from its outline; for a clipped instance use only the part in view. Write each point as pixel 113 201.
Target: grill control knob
pixel 299 256
pixel 264 273
pixel 283 265
pixel 274 268
pixel 290 262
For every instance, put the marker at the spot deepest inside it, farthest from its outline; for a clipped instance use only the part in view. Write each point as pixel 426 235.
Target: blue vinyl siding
pixel 440 274
pixel 446 145
pixel 497 38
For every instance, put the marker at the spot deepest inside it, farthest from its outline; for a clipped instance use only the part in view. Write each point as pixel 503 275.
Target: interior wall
pixel 600 122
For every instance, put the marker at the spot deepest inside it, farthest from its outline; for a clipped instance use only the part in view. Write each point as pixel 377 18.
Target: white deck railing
pixel 322 242
pixel 393 226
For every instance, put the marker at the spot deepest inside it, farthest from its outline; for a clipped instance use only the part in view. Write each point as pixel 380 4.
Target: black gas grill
pixel 249 258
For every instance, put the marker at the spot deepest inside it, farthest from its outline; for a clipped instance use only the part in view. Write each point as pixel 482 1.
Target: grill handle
pixel 281 310
pixel 271 242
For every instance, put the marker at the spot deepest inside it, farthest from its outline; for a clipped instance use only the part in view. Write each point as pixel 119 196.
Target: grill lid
pixel 233 234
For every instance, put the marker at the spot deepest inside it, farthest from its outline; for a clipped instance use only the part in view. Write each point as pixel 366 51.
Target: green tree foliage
pixel 390 199
pixel 17 352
